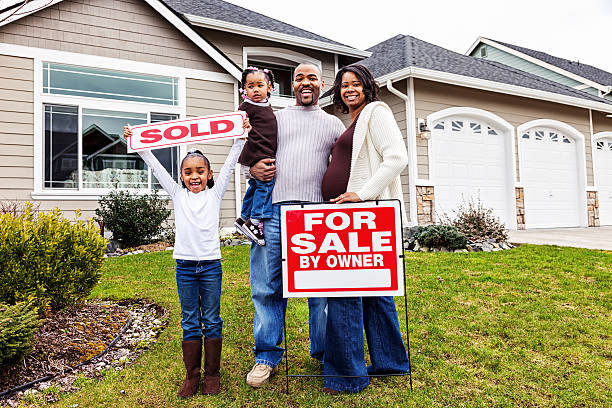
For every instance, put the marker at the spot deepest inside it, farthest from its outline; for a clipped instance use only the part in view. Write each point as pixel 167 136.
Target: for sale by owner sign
pixel 193 130
pixel 342 250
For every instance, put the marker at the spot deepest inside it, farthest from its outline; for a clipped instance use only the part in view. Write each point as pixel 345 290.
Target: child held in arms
pixel 257 85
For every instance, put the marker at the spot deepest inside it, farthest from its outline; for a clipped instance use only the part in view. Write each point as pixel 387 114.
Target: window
pixel 283 76
pixel 84 147
pixel 483 51
pixel 60 79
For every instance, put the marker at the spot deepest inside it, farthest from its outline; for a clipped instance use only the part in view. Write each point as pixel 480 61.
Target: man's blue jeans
pixel 257 201
pixel 270 307
pixel 199 290
pixel 344 349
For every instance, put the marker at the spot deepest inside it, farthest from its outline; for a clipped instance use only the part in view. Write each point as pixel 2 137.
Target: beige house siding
pixel 207 98
pixel 16 128
pixel 127 29
pixel 601 123
pixel 231 45
pixel 432 97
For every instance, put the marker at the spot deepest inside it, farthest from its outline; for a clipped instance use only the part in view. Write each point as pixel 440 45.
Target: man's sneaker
pixel 260 374
pixel 254 232
pixel 239 224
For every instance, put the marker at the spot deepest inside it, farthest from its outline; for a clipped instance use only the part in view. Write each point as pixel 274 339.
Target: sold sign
pixel 342 250
pixel 193 130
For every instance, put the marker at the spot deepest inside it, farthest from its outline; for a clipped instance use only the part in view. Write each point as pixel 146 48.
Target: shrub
pixel 438 236
pixel 18 325
pixel 48 258
pixel 478 223
pixel 15 207
pixel 133 219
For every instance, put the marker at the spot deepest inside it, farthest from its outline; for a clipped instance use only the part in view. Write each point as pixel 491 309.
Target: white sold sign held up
pixel 193 130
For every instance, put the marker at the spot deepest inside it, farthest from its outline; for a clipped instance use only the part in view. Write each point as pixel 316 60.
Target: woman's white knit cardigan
pixel 379 156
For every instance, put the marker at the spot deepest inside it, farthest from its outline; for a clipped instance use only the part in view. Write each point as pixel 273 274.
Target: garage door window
pixel 546 136
pixel 606 146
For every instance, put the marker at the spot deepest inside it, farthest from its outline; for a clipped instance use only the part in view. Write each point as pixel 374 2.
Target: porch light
pixel 422 130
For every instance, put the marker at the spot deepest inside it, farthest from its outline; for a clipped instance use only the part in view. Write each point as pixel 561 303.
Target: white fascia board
pixel 196 38
pixel 274 36
pixel 24 10
pixel 486 85
pixel 546 65
pixel 474 45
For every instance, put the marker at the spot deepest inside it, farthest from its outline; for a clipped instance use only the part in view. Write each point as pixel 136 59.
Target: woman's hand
pixel 348 197
pixel 127 132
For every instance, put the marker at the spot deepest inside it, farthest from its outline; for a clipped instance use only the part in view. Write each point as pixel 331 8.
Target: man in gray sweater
pixel 305 137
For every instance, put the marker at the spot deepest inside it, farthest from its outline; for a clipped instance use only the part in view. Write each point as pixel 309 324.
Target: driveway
pixel 593 238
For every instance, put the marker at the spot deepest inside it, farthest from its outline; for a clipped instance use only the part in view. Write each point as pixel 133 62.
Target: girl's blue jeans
pixel 344 349
pixel 199 290
pixel 257 201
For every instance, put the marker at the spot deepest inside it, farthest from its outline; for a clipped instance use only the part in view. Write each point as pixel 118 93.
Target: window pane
pixel 167 157
pixel 102 83
pixel 283 76
pixel 61 147
pixel 106 163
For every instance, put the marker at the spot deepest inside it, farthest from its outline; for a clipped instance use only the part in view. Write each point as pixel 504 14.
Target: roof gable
pixel 160 7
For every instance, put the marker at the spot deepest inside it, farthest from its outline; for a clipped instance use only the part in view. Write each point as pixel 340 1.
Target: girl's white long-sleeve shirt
pixel 196 216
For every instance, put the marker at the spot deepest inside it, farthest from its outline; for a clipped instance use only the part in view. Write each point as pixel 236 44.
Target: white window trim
pixel 489 119
pixel 294 56
pixel 579 139
pixel 40 193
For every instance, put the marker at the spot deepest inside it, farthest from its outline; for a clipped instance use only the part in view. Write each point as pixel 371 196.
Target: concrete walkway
pixel 593 238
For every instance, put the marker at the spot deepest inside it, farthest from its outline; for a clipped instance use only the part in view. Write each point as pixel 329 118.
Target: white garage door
pixel 603 171
pixel 469 160
pixel 549 174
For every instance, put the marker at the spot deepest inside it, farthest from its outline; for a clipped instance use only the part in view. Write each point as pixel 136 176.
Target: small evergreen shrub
pixel 48 258
pixel 18 325
pixel 133 219
pixel 438 236
pixel 478 223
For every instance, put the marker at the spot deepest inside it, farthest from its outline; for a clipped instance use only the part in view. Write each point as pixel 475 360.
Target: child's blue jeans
pixel 257 201
pixel 199 290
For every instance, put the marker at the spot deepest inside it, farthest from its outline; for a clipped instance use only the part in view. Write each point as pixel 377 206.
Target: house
pixel 536 151
pixel 74 72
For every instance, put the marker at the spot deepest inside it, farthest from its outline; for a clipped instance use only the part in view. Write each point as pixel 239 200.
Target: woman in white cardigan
pixel 366 163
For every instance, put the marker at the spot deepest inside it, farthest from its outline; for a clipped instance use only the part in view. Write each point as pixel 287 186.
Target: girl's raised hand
pixel 246 125
pixel 127 132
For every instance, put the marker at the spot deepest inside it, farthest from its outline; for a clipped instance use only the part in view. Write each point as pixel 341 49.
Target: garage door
pixel 603 171
pixel 469 160
pixel 549 174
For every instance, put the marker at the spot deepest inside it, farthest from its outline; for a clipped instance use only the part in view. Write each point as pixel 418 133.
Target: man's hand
pixel 264 170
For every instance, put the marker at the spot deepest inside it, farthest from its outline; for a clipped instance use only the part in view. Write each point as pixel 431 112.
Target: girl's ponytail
pixel 210 182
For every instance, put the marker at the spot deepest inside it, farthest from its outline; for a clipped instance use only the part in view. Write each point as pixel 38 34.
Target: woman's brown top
pixel 336 176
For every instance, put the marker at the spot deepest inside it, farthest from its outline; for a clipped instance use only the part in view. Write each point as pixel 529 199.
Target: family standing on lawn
pixel 288 153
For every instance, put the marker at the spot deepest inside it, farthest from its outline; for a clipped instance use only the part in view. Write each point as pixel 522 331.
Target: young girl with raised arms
pixel 257 85
pixel 197 202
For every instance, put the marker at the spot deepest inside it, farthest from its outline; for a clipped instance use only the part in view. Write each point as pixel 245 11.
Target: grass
pixel 529 327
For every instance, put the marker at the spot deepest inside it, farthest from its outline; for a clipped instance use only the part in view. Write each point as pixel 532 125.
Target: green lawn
pixel 529 327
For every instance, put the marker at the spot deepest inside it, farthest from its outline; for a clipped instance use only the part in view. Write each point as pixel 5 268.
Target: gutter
pixel 487 85
pixel 411 144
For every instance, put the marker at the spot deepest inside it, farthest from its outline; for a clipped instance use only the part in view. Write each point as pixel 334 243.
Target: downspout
pixel 410 144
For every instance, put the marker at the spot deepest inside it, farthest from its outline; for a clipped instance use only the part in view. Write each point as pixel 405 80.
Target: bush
pixel 478 223
pixel 438 236
pixel 48 258
pixel 18 325
pixel 133 219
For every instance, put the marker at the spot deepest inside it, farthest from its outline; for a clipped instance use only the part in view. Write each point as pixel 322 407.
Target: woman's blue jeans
pixel 268 302
pixel 199 290
pixel 344 349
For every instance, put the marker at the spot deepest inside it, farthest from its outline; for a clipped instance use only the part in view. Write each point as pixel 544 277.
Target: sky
pixel 579 30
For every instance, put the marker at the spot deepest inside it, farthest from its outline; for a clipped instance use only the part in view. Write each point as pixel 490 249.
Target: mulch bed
pixel 78 333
